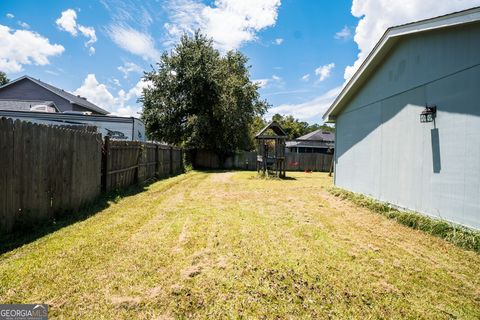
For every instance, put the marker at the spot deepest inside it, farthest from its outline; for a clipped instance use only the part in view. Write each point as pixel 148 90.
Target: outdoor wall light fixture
pixel 428 115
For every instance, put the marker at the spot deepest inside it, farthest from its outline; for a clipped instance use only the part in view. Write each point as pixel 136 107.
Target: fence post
pixel 105 163
pixel 139 163
pixel 331 164
pixel 171 162
pixel 181 162
pixel 157 163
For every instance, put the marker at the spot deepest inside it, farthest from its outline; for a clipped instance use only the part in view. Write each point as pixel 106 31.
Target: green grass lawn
pixel 230 245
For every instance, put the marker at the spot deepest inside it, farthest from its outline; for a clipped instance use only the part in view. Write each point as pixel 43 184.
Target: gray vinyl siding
pixel 382 149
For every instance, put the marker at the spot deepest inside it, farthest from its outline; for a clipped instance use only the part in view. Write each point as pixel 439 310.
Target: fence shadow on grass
pixel 18 237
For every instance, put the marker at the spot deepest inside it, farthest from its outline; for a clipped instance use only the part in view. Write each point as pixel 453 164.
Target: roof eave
pixel 386 42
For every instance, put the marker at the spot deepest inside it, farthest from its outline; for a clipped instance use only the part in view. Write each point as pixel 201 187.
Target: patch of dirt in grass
pixel 192 271
pixel 222 263
pixel 200 262
pixel 126 301
pixel 164 317
pixel 222 177
pixel 182 238
pixel 155 292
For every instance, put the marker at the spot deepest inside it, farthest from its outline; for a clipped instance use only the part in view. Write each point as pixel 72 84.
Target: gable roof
pixel 73 99
pixel 318 135
pixel 275 127
pixel 23 105
pixel 391 36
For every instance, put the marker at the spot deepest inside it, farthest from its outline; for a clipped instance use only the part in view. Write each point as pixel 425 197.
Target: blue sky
pixel 301 52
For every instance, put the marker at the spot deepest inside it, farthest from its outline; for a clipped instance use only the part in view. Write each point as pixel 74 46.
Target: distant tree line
pixel 293 127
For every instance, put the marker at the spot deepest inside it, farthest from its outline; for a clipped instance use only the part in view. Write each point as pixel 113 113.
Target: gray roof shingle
pixel 71 97
pixel 318 135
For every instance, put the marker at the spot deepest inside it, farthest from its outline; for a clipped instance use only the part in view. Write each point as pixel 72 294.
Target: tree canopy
pixel 3 78
pixel 199 98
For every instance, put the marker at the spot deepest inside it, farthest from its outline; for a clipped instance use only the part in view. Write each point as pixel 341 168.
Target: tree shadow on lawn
pixel 24 235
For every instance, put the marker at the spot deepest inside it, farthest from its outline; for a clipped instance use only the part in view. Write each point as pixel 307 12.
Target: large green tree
pixel 3 78
pixel 296 128
pixel 201 99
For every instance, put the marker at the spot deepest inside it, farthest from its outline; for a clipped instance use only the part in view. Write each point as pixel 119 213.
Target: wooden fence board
pixel 129 162
pixel 46 172
pixel 51 171
pixel 247 161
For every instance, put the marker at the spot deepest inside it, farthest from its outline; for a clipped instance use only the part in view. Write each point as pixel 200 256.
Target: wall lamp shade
pixel 428 114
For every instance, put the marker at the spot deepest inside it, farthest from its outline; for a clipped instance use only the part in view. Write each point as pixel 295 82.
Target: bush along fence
pixel 47 172
pixel 202 159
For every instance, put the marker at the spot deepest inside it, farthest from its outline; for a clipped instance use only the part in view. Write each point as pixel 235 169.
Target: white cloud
pixel 123 103
pixel 116 82
pixel 276 78
pixel 230 23
pixel 88 32
pixel 134 41
pixel 96 92
pixel 377 15
pixel 52 72
pixel 306 77
pixel 343 34
pixel 129 67
pixel 309 110
pixel 279 41
pixel 24 25
pixel 10 15
pixel 68 23
pixel 265 82
pixel 323 72
pixel 262 83
pixel 23 47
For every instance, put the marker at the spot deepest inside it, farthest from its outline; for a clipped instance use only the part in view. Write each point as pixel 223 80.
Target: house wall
pixel 28 90
pixel 382 149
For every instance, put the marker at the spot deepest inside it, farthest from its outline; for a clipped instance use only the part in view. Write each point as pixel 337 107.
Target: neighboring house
pixel 318 141
pixel 118 128
pixel 28 88
pixel 386 147
pixel 32 100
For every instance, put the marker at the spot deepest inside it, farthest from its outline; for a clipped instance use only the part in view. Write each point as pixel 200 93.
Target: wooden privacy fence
pixel 308 161
pixel 129 162
pixel 203 159
pixel 45 172
pixel 48 171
